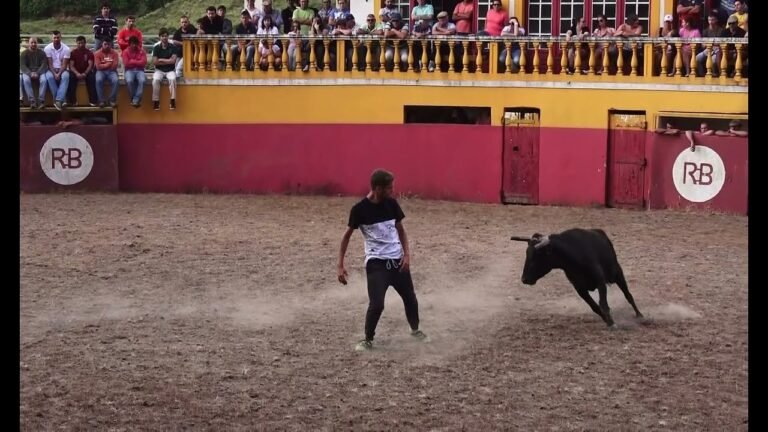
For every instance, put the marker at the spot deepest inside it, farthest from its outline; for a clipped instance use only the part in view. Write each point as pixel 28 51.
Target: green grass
pixel 149 23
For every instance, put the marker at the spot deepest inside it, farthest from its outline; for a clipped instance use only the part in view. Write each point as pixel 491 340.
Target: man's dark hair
pixel 211 8
pixel 381 178
pixel 246 14
pixel 163 31
pixel 133 40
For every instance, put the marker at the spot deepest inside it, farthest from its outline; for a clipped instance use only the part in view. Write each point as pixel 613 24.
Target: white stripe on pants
pixel 157 79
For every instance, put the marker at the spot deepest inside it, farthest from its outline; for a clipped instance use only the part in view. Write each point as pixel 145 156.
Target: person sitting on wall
pixel 164 59
pixel 733 130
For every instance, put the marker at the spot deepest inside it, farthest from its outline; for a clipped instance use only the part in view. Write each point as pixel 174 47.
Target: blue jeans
pixel 112 77
pixel 250 52
pixel 134 80
pixel 58 89
pixel 515 57
pixel 26 81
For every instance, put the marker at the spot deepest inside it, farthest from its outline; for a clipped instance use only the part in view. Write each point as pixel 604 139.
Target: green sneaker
pixel 420 335
pixel 364 345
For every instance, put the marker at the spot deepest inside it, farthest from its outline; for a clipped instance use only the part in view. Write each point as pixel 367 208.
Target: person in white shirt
pixel 57 76
pixel 269 29
pixel 513 29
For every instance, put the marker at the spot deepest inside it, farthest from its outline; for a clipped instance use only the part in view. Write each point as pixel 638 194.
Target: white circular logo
pixel 698 175
pixel 66 158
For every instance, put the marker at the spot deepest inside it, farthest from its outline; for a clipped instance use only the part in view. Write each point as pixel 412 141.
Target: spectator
pixel 186 28
pixel 741 14
pixel 33 65
pixel 496 18
pixel 104 27
pixel 134 61
pixel 266 31
pixel 395 29
pixel 164 59
pixel 603 31
pixel 689 10
pixel 130 29
pixel 287 15
pixel 250 7
pixel 713 30
pixel 245 27
pixel 513 29
pixel 106 61
pixel 81 68
pixel 687 31
pixel 58 69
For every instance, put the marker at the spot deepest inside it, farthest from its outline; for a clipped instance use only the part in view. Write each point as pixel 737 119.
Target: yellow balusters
pixel 410 55
pixel 679 59
pixel 633 62
pixel 710 59
pixel 327 54
pixel 508 59
pixel 606 60
pixel 664 61
pixel 739 64
pixel 438 57
pixel 577 63
pixel 228 57
pixel 563 58
pixel 382 57
pixel 355 56
pixel 452 58
pixel 313 55
pixel 368 55
pixel 591 58
pixel 550 58
pixel 424 58
pixel 479 57
pixel 536 59
pixel 523 56
pixel 201 55
pixel 285 61
pixel 214 47
pixel 465 58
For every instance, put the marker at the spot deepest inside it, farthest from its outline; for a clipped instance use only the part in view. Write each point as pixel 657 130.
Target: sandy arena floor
pixel 204 312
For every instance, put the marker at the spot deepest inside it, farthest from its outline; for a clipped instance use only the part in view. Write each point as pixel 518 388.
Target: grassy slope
pixel 149 23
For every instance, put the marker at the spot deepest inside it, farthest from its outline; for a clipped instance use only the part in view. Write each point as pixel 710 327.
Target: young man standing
pixel 387 256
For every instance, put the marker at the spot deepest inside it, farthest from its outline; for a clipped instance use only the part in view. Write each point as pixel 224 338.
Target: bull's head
pixel 537 262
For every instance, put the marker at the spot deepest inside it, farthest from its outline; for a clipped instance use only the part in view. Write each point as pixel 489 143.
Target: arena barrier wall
pixel 80 158
pixel 451 162
pixel 712 177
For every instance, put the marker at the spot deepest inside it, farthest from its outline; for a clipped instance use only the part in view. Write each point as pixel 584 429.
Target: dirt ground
pixel 206 312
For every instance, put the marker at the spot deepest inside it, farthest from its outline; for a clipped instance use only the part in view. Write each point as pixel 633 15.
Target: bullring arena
pixel 178 258
pixel 217 312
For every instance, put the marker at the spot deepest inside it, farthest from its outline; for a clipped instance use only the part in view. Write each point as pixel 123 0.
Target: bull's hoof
pixel 613 327
pixel 644 320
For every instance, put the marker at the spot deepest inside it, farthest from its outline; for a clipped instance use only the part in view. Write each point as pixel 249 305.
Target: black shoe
pixel 156 105
pixel 173 104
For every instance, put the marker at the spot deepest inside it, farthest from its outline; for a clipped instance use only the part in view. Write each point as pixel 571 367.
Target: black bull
pixel 588 259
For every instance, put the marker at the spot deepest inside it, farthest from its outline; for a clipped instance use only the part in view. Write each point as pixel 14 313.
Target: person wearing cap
pixel 370 28
pixel 741 14
pixel 734 129
pixel 395 29
pixel 732 30
pixel 713 30
pixel 277 16
pixel 348 28
pixel 442 27
pixel 670 50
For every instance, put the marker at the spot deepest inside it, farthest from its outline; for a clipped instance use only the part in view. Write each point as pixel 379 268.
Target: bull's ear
pixel 519 238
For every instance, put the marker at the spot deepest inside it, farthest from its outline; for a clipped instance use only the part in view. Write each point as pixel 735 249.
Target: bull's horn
pixel 518 238
pixel 544 241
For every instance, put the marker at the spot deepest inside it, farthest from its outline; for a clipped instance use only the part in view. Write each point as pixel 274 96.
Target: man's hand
pixel 342 274
pixel 405 263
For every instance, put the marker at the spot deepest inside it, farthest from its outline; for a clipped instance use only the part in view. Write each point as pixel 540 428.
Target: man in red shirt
pixel 130 29
pixel 134 61
pixel 106 61
pixel 81 68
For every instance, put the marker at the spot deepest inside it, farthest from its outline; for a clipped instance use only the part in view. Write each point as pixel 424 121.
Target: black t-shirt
pixel 377 222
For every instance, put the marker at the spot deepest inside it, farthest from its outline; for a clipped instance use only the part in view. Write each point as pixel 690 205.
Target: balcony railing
pixel 642 59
